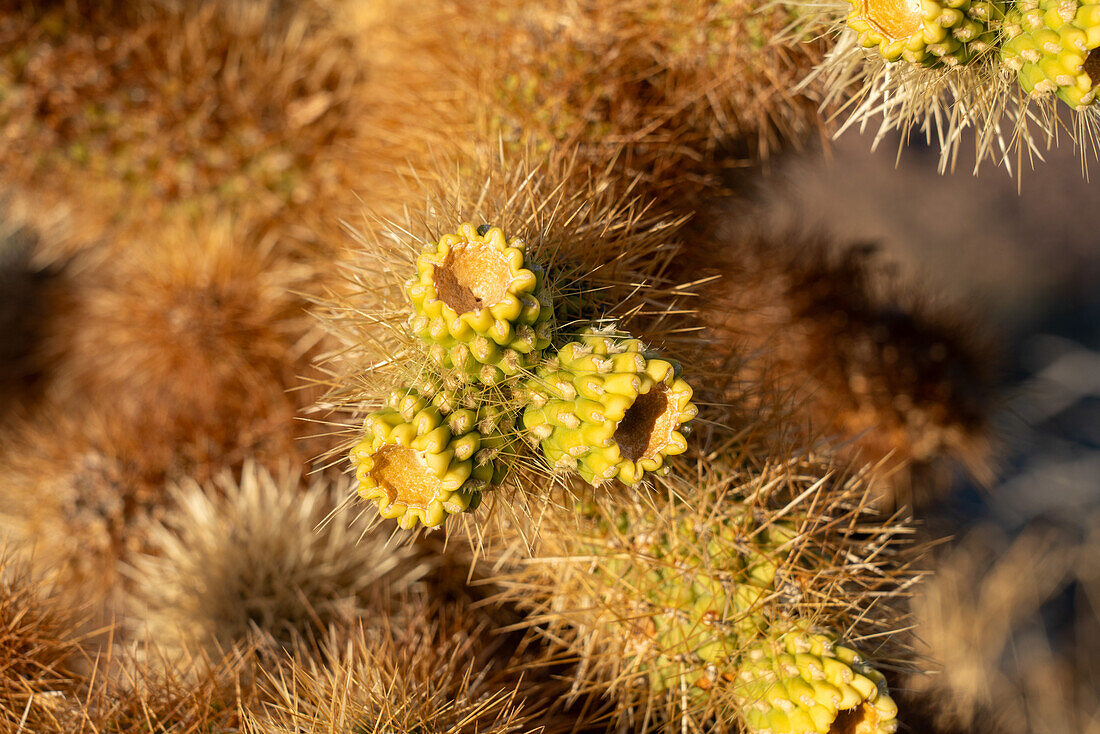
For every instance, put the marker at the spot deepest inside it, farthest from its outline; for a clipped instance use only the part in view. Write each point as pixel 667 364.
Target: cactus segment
pixel 1054 46
pixel 480 305
pixel 807 683
pixel 418 464
pixel 928 32
pixel 608 408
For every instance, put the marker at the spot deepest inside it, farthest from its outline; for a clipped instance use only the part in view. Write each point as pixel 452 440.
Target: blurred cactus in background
pixel 404 367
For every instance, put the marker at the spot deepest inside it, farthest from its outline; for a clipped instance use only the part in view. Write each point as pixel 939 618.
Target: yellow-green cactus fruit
pixel 479 304
pixel 928 32
pixel 1052 46
pixel 807 683
pixel 608 408
pixel 419 464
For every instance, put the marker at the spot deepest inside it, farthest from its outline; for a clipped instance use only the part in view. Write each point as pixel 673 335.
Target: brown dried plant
pixel 679 87
pixel 40 650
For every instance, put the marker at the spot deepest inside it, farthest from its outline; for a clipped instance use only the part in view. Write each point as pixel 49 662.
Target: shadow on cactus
pixel 459 334
pixel 737 603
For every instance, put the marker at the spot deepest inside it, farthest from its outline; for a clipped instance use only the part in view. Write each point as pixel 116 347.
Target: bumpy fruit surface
pixel 1053 47
pixel 608 408
pixel 808 683
pixel 928 32
pixel 421 465
pixel 479 305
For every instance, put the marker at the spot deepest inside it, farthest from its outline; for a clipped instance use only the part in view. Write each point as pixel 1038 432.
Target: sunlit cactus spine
pixel 480 304
pixel 421 464
pixel 608 408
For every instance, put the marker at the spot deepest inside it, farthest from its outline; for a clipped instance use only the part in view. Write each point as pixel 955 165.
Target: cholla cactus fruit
pixel 479 304
pixel 609 408
pixel 420 465
pixel 1052 45
pixel 928 32
pixel 808 683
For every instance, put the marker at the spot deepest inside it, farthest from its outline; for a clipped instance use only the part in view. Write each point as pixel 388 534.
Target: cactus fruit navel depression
pixel 479 304
pixel 608 408
pixel 1053 47
pixel 928 32
pixel 421 465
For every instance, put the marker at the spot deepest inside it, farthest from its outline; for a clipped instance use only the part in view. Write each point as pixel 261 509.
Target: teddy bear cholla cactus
pixel 737 601
pixel 257 559
pixel 603 256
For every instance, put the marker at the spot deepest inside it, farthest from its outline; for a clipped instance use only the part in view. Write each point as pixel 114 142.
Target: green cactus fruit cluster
pixel 480 305
pixel 808 683
pixel 1052 45
pixel 708 604
pixel 608 408
pixel 927 32
pixel 419 463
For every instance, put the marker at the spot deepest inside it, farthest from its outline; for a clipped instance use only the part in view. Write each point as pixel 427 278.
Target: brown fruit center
pixel 863 719
pixel 1091 67
pixel 647 426
pixel 403 475
pixel 895 19
pixel 473 275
